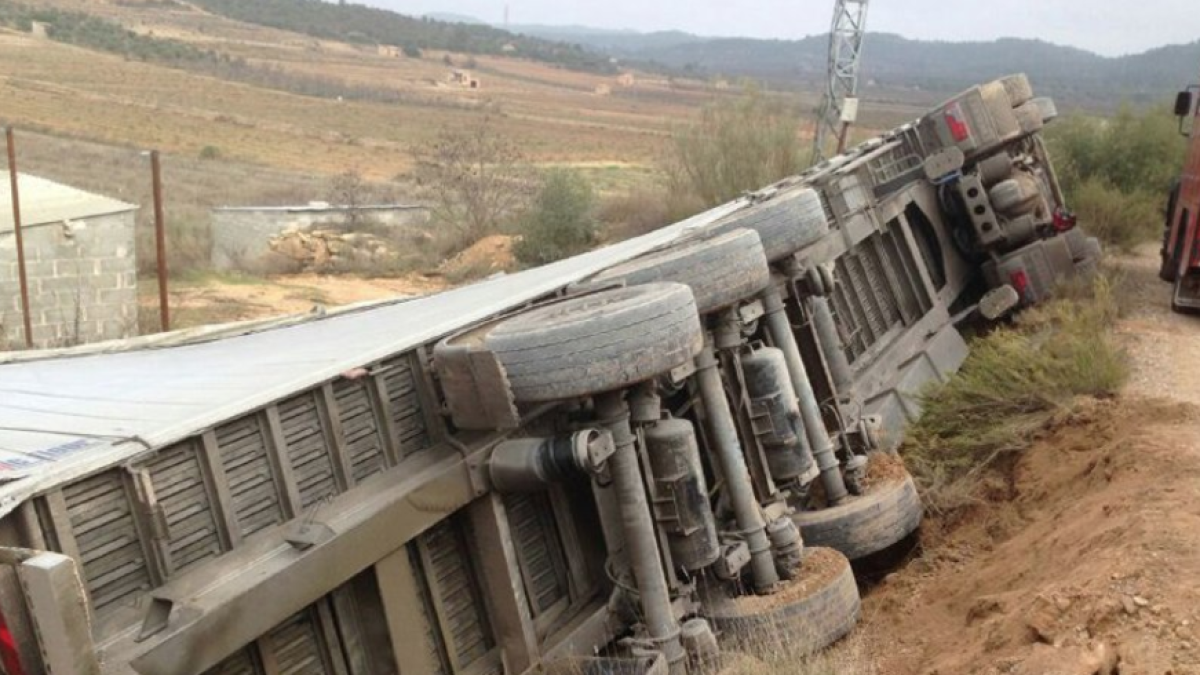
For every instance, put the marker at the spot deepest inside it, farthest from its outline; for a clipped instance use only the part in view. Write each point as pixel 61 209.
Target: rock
pixel 1129 605
pixel 1098 659
pixel 1140 601
pixel 1043 620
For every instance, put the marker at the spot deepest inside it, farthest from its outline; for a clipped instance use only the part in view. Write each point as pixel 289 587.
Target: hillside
pixel 891 61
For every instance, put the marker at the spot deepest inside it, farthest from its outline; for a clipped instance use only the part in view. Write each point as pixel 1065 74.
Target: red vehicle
pixel 1181 245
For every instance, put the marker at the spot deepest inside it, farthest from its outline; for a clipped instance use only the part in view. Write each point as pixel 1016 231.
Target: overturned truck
pixel 630 461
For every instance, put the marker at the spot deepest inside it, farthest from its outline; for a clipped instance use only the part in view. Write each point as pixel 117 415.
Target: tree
pixel 349 190
pixel 478 178
pixel 562 221
pixel 736 146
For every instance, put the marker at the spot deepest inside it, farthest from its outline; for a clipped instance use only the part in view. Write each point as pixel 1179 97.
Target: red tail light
pixel 957 122
pixel 1020 282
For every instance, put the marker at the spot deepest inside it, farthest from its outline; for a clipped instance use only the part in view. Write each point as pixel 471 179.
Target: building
pixel 80 261
pixel 247 238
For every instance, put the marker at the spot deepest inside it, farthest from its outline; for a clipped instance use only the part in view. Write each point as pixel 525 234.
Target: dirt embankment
pixel 1084 555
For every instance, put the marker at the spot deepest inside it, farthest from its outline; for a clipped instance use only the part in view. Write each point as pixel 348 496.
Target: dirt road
pixel 1086 554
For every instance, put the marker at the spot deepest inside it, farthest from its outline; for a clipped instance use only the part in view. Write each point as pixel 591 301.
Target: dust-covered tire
pixel 785 223
pixel 809 624
pixel 1014 195
pixel 1018 88
pixel 1048 108
pixel 867 524
pixel 1029 117
pixel 597 343
pixel 721 271
pixel 1000 108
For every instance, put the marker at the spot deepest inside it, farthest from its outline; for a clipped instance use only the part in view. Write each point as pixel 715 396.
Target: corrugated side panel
pixel 535 537
pixel 359 428
pixel 452 577
pixel 298 647
pixel 307 449
pixel 433 642
pixel 241 663
pixel 252 486
pixel 405 406
pixel 180 487
pixel 100 510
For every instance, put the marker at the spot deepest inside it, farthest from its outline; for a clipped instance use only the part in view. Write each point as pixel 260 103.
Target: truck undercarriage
pixel 627 461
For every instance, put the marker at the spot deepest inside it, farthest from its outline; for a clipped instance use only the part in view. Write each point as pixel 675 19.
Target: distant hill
pixel 892 61
pixel 367 25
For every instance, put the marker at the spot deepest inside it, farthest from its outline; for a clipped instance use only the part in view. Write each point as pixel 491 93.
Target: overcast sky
pixel 1109 27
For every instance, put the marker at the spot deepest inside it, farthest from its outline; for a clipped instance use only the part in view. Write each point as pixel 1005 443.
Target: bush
pixel 1015 380
pixel 561 222
pixel 736 146
pixel 1122 220
pixel 412 51
pixel 210 152
pixel 1116 172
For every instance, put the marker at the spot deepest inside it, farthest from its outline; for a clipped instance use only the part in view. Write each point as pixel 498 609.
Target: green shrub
pixel 736 146
pixel 561 222
pixel 1116 172
pixel 210 152
pixel 1120 219
pixel 1014 381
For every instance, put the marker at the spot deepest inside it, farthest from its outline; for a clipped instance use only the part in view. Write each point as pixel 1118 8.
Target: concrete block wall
pixel 82 283
pixel 242 236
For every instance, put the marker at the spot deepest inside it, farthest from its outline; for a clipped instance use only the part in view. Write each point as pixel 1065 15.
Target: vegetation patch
pixel 1116 172
pixel 1015 381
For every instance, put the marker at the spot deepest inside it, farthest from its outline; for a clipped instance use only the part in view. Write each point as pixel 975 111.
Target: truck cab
pixel 1180 251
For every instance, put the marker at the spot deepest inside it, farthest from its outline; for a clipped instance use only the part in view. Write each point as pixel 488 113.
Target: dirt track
pixel 1088 552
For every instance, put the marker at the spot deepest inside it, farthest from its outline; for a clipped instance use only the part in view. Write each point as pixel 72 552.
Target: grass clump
pixel 1014 382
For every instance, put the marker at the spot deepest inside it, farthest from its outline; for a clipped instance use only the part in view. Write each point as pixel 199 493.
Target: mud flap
pixel 477 390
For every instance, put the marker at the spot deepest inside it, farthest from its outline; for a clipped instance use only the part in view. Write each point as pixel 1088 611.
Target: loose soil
pixel 820 567
pixel 1084 555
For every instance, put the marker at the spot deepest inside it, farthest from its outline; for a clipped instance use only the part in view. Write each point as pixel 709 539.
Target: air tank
pixel 681 503
pixel 776 413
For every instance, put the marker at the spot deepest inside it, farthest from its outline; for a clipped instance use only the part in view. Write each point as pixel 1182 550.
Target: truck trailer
pixel 635 460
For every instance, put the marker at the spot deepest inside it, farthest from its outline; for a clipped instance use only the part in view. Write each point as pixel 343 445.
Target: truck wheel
pixel 1013 196
pixel 886 514
pixel 1018 89
pixel 597 343
pixel 814 610
pixel 1077 241
pixel 1000 109
pixel 1029 117
pixel 785 223
pixel 721 271
pixel 1048 108
pixel 995 168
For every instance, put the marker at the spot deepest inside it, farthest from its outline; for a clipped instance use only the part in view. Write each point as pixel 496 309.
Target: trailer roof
pixel 66 415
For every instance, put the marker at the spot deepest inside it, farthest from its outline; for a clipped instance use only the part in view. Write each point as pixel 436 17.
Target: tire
pixel 867 524
pixel 1018 89
pixel 785 223
pixel 1029 118
pixel 597 343
pixel 721 271
pixel 1000 108
pixel 1047 107
pixel 809 624
pixel 1014 196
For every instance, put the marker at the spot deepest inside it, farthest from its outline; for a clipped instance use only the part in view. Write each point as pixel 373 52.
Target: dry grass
pixel 1015 381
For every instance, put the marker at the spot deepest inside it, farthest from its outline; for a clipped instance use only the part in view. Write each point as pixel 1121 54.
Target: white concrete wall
pixel 82 282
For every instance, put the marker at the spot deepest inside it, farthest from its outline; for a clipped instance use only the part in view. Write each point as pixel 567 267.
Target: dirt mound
pixel 486 256
pixel 1086 552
